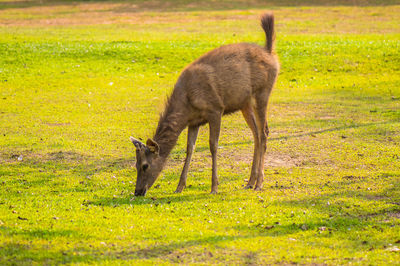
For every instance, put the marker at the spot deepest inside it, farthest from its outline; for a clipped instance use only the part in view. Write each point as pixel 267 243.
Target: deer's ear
pixel 152 145
pixel 138 144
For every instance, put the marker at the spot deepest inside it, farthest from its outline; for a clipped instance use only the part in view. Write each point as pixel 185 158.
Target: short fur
pixel 227 79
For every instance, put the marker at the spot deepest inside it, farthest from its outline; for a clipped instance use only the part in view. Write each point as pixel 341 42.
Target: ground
pixel 77 78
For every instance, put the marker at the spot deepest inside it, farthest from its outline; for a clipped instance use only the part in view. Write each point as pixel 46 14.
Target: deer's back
pixel 227 77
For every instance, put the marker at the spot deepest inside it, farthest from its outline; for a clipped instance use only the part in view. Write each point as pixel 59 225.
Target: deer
pixel 224 80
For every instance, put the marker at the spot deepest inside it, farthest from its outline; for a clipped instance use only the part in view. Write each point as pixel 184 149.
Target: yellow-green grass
pixel 74 87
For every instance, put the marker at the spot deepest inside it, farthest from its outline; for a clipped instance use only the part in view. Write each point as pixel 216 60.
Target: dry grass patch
pixel 312 19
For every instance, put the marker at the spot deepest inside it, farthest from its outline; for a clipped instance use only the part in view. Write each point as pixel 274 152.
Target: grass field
pixel 77 78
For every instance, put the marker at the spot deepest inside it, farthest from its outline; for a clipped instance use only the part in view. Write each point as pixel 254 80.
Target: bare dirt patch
pixel 395 214
pixel 272 158
pixel 59 156
pixel 58 124
pixel 34 157
pixel 282 160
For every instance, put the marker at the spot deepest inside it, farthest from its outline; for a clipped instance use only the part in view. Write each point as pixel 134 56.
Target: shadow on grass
pixel 192 5
pixel 174 251
pixel 47 234
pixel 21 254
pixel 168 199
pixel 331 221
pixel 340 223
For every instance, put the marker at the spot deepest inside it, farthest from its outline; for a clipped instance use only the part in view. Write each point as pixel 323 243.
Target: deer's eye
pixel 145 166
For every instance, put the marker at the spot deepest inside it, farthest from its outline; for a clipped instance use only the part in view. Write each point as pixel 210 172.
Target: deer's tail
pixel 267 23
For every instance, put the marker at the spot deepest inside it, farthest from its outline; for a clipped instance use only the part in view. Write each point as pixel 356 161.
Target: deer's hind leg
pixel 248 114
pixel 191 141
pixel 263 131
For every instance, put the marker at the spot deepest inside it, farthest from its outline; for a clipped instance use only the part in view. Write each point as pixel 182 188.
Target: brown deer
pixel 227 79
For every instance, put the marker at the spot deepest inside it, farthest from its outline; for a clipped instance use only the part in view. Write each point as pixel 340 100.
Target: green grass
pixel 73 89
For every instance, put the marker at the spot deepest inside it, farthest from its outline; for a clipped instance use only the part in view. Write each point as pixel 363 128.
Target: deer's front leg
pixel 215 125
pixel 191 140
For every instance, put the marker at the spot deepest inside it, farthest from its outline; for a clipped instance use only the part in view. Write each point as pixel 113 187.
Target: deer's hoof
pixel 178 190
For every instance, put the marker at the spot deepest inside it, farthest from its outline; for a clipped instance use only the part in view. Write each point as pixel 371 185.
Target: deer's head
pixel 148 165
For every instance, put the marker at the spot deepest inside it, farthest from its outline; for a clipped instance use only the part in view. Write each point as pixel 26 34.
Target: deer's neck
pixel 172 122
